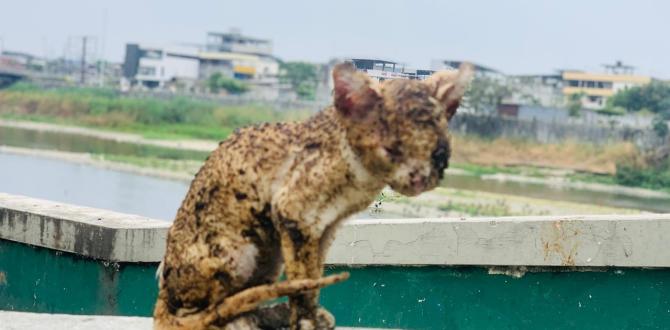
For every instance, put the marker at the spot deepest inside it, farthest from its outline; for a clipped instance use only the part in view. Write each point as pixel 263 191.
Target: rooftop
pixel 237 36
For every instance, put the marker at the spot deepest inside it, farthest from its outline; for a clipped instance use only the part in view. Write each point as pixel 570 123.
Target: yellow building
pixel 597 87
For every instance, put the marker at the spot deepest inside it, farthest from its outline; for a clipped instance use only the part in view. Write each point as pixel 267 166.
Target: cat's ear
pixel 355 93
pixel 449 86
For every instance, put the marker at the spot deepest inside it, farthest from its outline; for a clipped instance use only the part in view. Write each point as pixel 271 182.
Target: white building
pixel 230 54
pixel 155 66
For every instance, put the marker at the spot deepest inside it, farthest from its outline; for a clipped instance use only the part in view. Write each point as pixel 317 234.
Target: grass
pixel 572 155
pixel 184 166
pixel 593 178
pixel 499 209
pixel 165 119
pixel 480 170
pixel 657 177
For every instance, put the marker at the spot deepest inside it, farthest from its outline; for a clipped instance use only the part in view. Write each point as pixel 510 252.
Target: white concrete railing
pixel 591 241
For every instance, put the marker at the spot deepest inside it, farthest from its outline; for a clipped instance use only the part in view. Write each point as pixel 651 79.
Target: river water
pixel 159 198
pixel 90 186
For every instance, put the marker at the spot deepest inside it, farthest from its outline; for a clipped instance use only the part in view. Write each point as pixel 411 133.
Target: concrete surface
pixel 85 231
pixel 591 241
pixel 30 321
pixel 25 321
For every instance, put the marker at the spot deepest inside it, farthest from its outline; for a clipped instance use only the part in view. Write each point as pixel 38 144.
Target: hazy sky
pixel 514 36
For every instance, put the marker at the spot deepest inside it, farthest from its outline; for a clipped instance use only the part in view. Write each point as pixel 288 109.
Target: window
pixel 607 85
pixel 152 53
pixel 573 83
pixel 147 71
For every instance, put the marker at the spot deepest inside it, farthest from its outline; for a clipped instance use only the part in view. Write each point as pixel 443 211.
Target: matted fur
pixel 273 195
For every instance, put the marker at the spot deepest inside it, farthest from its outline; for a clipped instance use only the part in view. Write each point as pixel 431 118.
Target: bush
pixel 612 111
pixel 302 76
pixel 660 126
pixel 654 96
pixel 637 176
pixel 218 81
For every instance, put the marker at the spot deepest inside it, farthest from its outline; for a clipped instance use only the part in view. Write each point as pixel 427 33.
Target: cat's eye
pixel 423 116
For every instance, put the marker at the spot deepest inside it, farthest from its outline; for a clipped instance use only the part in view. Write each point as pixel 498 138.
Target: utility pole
pixel 103 64
pixel 84 40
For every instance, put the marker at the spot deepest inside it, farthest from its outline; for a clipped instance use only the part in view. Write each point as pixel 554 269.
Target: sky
pixel 513 36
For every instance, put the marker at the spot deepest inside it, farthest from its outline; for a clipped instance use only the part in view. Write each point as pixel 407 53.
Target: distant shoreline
pixel 190 144
pixel 93 160
pixel 208 145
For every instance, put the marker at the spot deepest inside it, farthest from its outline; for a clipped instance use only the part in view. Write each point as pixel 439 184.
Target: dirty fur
pixel 271 197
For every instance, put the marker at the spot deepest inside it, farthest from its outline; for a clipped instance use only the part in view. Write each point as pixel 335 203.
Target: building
pixel 235 42
pixel 238 56
pixel 230 54
pixel 537 90
pixel 596 88
pixel 23 60
pixel 381 70
pixel 156 66
pixel 480 70
pixel 255 68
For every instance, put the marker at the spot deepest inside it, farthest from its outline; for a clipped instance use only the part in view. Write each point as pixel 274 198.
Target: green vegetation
pixel 651 177
pixel 653 97
pixel 499 209
pixel 302 76
pixel 612 111
pixel 660 126
pixel 593 178
pixel 575 104
pixel 189 167
pixel 103 108
pixel 479 170
pixel 218 82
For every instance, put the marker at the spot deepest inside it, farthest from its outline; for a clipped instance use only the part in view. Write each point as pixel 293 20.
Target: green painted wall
pixel 42 280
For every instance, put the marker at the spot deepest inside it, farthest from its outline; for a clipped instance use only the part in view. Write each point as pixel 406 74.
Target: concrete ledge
pixel 588 241
pixel 85 231
pixel 26 321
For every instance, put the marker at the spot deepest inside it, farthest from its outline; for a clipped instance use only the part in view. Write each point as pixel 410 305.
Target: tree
pixel 485 94
pixel 218 81
pixel 302 77
pixel 654 97
pixel 575 104
pixel 660 126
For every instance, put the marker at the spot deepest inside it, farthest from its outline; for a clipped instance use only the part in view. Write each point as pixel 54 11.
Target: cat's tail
pixel 242 302
pixel 249 299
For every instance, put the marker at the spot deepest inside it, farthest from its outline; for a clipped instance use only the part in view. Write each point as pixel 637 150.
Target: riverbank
pixel 185 144
pixel 178 118
pixel 567 166
pixel 441 202
pixel 182 170
pixel 475 154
